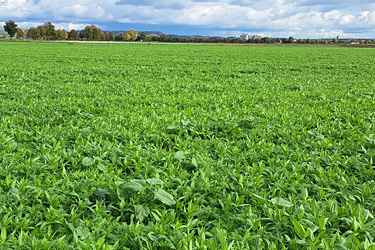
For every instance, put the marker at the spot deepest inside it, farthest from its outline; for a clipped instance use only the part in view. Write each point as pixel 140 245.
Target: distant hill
pixel 158 33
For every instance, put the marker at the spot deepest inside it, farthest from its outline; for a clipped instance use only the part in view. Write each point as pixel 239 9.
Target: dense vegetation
pixel 163 146
pixel 47 31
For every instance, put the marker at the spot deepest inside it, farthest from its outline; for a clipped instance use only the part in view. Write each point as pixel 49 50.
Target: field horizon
pixel 347 45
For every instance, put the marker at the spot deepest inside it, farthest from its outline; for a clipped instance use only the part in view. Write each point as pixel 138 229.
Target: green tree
pixel 73 35
pixel 20 33
pixel 143 36
pixel 291 39
pixel 266 40
pixel 154 37
pixel 86 33
pixel 133 34
pixel 106 36
pixel 90 33
pixel 95 33
pixel 50 31
pixel 123 37
pixel 11 28
pixel 111 36
pixel 119 37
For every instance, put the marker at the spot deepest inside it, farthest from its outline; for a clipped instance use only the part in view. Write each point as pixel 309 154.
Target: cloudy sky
pixel 273 18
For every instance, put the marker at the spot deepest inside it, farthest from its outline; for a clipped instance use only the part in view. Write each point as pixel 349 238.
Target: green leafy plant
pixel 143 193
pixel 178 146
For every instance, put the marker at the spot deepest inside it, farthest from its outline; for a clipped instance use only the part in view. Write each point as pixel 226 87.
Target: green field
pixel 170 146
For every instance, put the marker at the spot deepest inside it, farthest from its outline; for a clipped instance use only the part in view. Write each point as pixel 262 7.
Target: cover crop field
pixel 170 146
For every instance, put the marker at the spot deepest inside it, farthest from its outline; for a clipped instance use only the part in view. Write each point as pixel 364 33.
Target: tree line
pixel 47 31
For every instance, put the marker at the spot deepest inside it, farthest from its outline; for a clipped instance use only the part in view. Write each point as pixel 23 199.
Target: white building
pixel 245 36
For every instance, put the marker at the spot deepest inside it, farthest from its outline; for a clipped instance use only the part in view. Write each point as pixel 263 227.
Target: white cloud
pixel 334 33
pixel 368 17
pixel 126 20
pixel 91 11
pixel 66 26
pixel 16 8
pixel 303 18
pixel 225 16
pixel 347 19
pixel 333 15
pixel 75 26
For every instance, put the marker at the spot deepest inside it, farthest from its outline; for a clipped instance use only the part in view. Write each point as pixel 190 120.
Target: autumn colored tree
pixel 61 35
pixel 42 31
pixel 102 36
pixel 33 33
pixel 123 37
pixel 11 28
pixel 164 38
pixel 58 35
pixel 133 34
pixel 20 33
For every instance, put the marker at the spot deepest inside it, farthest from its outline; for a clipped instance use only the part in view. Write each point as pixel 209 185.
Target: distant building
pixel 245 36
